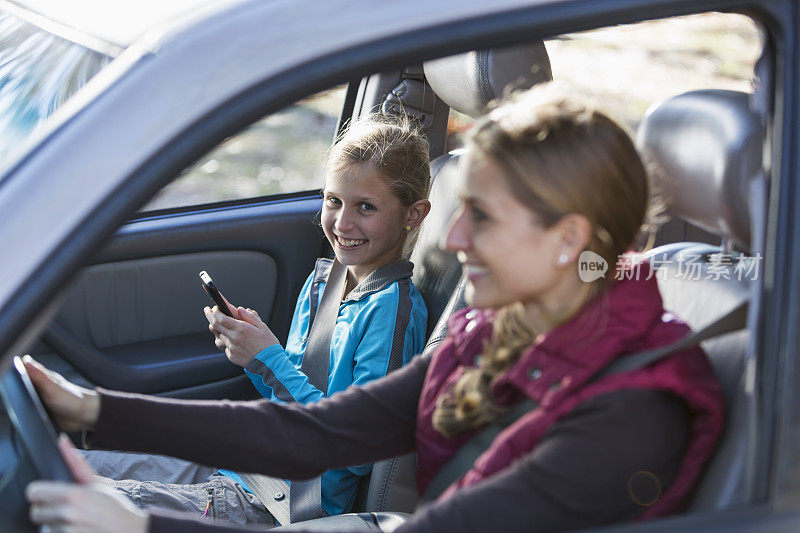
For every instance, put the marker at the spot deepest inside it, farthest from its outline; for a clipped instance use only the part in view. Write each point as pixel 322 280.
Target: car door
pixel 246 212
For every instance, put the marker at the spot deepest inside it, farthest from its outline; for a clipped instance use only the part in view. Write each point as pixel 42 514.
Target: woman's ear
pixel 417 212
pixel 575 232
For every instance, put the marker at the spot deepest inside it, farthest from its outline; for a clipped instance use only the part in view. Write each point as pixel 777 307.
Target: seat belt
pixel 465 457
pixel 317 357
pixel 305 496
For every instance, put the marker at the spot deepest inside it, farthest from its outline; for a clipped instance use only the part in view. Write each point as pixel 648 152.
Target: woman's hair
pixel 559 156
pixel 393 145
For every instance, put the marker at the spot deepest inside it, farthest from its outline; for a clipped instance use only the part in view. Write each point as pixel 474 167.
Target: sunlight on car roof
pixel 51 49
pixel 117 23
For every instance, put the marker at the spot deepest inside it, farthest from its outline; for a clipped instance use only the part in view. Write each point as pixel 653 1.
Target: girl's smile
pixel 349 244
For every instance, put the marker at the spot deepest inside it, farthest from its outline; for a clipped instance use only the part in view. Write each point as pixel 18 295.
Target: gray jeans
pixel 157 481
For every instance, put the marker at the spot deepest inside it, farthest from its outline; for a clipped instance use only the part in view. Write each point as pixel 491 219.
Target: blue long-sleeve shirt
pixel 381 325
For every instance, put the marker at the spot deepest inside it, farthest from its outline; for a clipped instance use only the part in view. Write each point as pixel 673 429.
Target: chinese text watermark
pixel 685 266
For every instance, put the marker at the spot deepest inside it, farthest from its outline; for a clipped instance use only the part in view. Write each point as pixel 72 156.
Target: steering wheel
pixel 28 449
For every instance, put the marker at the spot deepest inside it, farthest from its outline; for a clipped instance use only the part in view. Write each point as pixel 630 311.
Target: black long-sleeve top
pixel 606 460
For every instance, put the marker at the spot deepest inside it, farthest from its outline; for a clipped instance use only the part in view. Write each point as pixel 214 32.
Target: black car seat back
pixel 706 149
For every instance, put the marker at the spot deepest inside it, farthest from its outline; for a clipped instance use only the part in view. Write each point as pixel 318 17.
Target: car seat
pixel 467 83
pixel 707 146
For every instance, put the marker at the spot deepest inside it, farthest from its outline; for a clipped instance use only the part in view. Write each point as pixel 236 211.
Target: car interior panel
pixel 133 318
pixel 117 327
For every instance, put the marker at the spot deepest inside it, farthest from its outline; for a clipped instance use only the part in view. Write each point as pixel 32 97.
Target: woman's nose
pixel 456 237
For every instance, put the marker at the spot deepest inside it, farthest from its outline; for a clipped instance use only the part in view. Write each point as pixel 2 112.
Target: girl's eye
pixel 332 200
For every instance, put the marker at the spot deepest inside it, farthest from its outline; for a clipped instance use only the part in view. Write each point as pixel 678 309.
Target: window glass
pixel 627 68
pixel 38 73
pixel 282 153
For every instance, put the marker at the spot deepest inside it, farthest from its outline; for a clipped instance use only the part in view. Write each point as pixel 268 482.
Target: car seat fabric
pixel 690 299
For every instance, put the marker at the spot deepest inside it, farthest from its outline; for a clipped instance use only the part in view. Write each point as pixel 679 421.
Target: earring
pixel 408 227
pixel 562 259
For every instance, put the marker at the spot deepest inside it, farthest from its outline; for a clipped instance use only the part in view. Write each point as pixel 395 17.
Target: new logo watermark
pixel 690 267
pixel 591 266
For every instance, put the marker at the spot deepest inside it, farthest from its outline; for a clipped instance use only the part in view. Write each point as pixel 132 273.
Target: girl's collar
pixel 380 278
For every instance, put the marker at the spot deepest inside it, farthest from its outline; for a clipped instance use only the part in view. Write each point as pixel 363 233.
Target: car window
pixel 627 68
pixel 38 73
pixel 282 153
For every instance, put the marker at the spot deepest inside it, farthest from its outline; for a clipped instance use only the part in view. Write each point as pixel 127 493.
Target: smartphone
pixel 211 290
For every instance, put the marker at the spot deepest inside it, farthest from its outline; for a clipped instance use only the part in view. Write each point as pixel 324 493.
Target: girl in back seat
pixel 553 196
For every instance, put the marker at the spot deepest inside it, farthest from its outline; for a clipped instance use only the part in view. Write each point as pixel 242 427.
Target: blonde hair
pixel 560 156
pixel 394 146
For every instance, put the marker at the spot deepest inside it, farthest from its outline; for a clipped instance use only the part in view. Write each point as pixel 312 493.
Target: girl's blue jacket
pixel 381 325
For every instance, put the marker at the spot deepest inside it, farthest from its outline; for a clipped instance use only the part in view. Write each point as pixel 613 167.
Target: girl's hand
pixel 87 506
pixel 251 316
pixel 241 340
pixel 232 308
pixel 73 407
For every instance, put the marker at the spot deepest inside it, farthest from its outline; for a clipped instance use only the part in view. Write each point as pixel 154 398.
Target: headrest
pixel 468 82
pixel 707 147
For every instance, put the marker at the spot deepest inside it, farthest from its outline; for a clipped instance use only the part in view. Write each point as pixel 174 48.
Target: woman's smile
pixel 472 270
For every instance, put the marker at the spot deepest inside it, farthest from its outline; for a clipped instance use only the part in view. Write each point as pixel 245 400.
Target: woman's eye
pixel 477 214
pixel 366 207
pixel 332 200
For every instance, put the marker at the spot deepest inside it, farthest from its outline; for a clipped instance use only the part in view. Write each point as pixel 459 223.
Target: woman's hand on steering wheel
pixel 87 505
pixel 74 408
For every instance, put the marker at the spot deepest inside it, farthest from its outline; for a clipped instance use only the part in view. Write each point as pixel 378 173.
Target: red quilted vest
pixel 627 318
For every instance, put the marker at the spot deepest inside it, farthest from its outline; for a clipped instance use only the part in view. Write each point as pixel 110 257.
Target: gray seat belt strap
pixel 317 357
pixel 303 499
pixel 272 492
pixel 466 456
pixel 732 321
